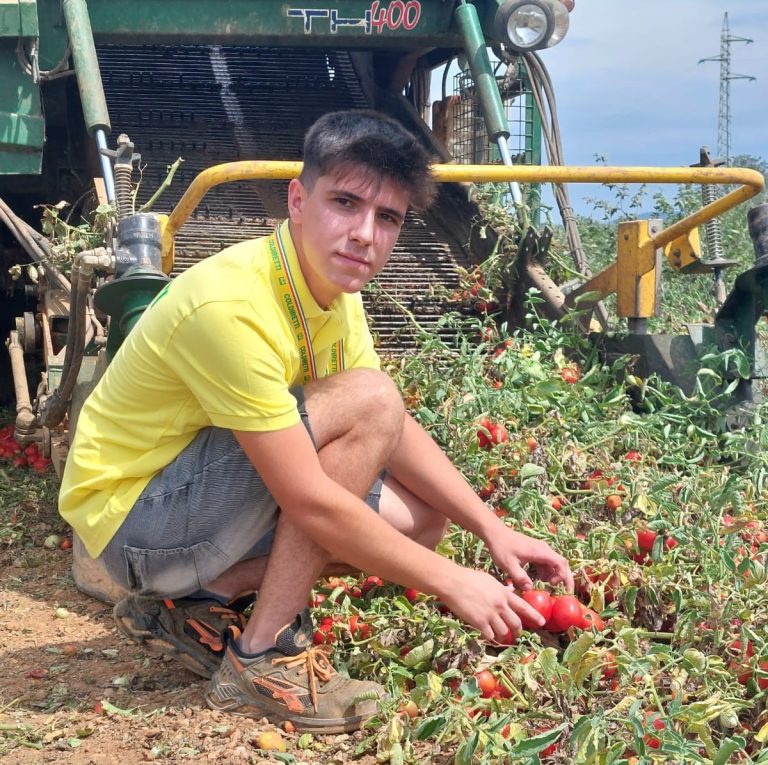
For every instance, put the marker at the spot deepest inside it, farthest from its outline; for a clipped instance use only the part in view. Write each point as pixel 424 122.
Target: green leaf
pixel 427 415
pixel 727 748
pixel 548 662
pixel 577 649
pixel 107 707
pixel 614 753
pixel 429 726
pixel 630 597
pixel 529 470
pixel 546 389
pixel 631 640
pixel 536 744
pixel 467 750
pixel 420 655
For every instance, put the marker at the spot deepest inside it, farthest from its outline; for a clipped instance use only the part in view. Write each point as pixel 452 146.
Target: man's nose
pixel 363 227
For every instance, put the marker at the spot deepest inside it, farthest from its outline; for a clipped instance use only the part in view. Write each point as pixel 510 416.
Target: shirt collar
pixel 310 306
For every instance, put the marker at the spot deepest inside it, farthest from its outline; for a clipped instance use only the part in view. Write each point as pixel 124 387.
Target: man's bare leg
pixel 398 506
pixel 356 419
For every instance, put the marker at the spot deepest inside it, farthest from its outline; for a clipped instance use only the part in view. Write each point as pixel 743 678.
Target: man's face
pixel 344 228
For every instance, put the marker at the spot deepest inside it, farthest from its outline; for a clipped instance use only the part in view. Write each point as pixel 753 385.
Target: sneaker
pixel 293 681
pixel 187 629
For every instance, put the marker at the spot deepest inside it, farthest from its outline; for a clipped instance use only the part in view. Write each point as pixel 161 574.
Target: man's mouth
pixel 357 259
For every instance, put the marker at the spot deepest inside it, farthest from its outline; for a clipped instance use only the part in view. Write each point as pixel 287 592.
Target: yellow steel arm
pixel 750 183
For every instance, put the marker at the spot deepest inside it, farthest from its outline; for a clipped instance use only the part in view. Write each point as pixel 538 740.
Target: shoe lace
pixel 228 613
pixel 315 662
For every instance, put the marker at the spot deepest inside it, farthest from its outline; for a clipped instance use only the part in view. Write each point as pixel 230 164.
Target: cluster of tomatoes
pixel 491 433
pixel 330 626
pixel 560 612
pixel 475 294
pixel 20 456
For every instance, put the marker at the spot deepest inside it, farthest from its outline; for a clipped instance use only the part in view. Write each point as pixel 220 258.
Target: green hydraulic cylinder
pixel 86 65
pixel 89 83
pixel 487 87
pixel 482 71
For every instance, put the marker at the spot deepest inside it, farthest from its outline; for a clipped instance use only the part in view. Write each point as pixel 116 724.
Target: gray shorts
pixel 204 512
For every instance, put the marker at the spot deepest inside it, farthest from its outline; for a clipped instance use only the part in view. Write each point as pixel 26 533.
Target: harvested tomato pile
pixel 662 654
pixel 19 456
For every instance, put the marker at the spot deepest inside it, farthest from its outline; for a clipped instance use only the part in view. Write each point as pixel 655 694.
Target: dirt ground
pixel 74 690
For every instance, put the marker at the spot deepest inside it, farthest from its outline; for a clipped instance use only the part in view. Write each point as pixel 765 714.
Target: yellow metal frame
pixel 634 275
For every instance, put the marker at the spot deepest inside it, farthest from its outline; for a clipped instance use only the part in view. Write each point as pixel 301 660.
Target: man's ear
pixel 296 195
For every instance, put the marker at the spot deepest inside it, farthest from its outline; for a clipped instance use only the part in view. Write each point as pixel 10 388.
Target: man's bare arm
pixel 348 529
pixel 422 467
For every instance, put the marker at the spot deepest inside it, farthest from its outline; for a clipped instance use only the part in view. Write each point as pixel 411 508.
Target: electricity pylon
pixel 724 111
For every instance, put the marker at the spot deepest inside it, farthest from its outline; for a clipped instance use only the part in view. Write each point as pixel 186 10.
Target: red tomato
pixel 570 375
pixel 486 682
pixel 566 612
pixel 491 433
pixel 555 503
pixel 532 443
pixel 324 636
pixel 486 490
pixel 633 456
pixel 645 539
pixel 609 665
pixel 670 543
pixel 762 682
pixel 411 594
pixel 653 722
pixel 371 582
pixel 541 601
pixel 613 502
pixel 592 620
pixel 742 667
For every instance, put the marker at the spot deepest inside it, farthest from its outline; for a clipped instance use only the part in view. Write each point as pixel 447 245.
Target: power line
pixel 724 110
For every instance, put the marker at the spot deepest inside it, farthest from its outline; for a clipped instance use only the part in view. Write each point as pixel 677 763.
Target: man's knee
pixel 354 400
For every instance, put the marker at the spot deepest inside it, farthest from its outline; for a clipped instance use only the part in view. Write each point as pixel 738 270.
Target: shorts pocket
pixel 173 572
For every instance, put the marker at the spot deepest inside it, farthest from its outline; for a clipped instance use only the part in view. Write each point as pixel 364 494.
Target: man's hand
pixel 488 605
pixel 511 551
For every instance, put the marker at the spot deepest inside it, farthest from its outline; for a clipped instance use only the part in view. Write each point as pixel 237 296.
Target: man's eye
pixel 343 202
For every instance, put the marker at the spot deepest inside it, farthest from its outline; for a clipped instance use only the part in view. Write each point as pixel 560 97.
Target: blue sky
pixel 629 86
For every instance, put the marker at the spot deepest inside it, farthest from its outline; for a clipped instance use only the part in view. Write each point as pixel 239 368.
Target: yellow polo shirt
pixel 217 347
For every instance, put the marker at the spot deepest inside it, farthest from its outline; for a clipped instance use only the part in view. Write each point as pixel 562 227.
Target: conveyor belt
pixel 210 105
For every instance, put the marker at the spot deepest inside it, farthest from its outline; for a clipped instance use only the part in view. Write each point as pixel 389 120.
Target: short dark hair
pixel 374 141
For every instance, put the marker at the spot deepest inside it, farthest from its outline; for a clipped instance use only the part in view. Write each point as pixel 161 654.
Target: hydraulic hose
pixel 54 408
